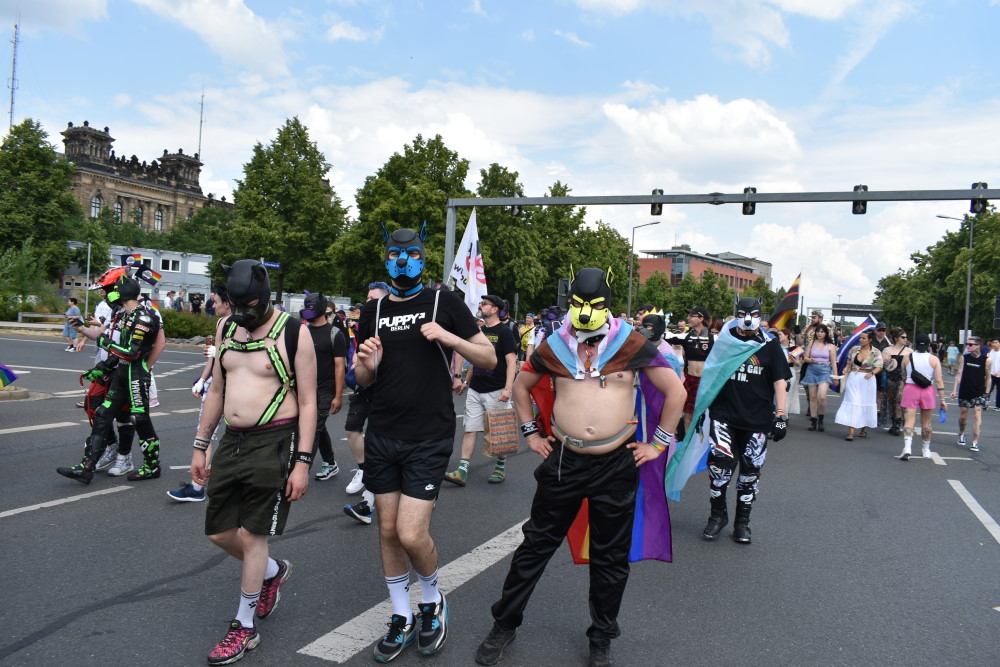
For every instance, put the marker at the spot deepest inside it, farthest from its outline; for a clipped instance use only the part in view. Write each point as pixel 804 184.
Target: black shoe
pixel 145 471
pixel 741 525
pixel 433 629
pixel 600 653
pixel 78 473
pixel 819 425
pixel 812 423
pixel 490 651
pixel 716 522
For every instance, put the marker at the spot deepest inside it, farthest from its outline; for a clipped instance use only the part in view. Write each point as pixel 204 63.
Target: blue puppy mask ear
pixel 385 232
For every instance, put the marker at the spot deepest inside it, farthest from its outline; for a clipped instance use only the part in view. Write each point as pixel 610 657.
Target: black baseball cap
pixel 881 326
pixel 496 301
pixel 699 310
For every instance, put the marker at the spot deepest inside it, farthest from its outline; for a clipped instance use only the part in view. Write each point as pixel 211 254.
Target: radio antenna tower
pixel 12 82
pixel 201 121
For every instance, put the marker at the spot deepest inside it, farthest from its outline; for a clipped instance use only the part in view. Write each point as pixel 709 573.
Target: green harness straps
pixel 287 380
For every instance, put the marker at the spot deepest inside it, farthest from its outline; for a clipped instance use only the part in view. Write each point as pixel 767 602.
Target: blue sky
pixel 608 96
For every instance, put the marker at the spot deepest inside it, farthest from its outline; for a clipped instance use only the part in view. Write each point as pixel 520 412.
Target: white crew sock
pixel 248 603
pixel 429 588
pixel 272 569
pixel 399 593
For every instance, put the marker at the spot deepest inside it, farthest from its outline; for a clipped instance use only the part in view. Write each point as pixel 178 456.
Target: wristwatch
pixel 457 375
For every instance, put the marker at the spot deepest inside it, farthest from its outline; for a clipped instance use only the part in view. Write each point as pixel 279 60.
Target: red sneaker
pixel 234 645
pixel 270 592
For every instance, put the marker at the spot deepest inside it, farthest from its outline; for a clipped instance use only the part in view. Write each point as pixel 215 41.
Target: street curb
pixel 14 395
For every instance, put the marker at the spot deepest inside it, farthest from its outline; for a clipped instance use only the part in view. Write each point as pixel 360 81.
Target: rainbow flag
pixel 844 356
pixel 784 312
pixel 131 259
pixel 651 524
pixel 7 376
pixel 149 275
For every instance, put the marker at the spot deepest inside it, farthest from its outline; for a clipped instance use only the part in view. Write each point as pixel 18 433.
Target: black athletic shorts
pixel 414 467
pixel 359 404
pixel 249 473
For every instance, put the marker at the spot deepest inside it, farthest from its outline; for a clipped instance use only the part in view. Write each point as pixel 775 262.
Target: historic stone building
pixel 156 194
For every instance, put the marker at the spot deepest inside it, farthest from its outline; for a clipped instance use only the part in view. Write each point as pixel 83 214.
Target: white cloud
pixel 571 37
pixel 60 15
pixel 344 30
pixel 827 10
pixel 241 38
pixel 476 7
pixel 529 34
pixel 867 31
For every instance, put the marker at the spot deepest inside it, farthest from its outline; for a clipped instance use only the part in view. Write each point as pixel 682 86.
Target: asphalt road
pixel 857 558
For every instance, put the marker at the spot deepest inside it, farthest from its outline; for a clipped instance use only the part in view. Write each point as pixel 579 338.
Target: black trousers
pixel 609 482
pixel 321 440
pixel 128 390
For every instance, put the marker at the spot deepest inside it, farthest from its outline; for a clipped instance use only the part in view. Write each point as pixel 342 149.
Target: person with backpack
pixel 331 367
pixel 264 384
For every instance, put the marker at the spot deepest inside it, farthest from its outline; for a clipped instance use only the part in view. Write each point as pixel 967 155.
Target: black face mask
pixel 246 281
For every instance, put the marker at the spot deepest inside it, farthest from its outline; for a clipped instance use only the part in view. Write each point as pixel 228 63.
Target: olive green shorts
pixel 247 486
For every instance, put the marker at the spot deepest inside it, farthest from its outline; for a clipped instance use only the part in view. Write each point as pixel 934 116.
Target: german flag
pixel 784 312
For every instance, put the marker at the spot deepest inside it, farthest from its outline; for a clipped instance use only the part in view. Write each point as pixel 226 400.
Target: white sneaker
pixel 961 440
pixel 107 458
pixel 327 471
pixel 975 446
pixel 122 466
pixel 357 484
pixel 926 451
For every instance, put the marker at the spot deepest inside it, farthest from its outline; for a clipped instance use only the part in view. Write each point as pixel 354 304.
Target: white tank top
pixel 922 362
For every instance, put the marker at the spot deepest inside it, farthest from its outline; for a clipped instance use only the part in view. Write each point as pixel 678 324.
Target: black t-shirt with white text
pixel 484 380
pixel 329 344
pixel 413 397
pixel 973 384
pixel 747 399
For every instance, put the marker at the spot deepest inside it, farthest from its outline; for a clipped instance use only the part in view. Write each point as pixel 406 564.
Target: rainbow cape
pixel 651 524
pixel 7 376
pixel 728 354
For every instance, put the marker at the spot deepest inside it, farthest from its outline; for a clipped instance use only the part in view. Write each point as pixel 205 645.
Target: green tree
pixel 656 290
pixel 35 198
pixel 411 188
pixel 510 251
pixel 759 289
pixel 933 291
pixel 286 210
pixel 710 290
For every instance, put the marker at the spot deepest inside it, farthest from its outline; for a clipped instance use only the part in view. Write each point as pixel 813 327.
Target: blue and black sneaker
pixel 433 626
pixel 399 636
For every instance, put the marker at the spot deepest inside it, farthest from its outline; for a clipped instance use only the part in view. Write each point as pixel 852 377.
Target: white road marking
pixel 37 427
pixel 185 410
pixel 159 414
pixel 187 467
pixel 45 368
pixel 958 458
pixel 938 459
pixel 976 508
pixel 71 499
pixel 20 371
pixel 346 641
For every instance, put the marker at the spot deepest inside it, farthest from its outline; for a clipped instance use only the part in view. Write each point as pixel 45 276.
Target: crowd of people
pixel 396 364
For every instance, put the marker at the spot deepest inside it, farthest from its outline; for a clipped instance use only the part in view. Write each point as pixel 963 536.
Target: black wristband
pixel 304 457
pixel 529 428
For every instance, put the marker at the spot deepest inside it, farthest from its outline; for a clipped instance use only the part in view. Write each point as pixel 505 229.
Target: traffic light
pixel 749 207
pixel 978 205
pixel 656 209
pixel 860 207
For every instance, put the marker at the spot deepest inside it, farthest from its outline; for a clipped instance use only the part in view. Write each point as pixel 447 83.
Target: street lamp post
pixel 631 261
pixel 968 278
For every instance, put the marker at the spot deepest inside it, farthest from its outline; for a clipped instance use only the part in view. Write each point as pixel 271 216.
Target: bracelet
pixel 661 439
pixel 779 411
pixel 657 446
pixel 199 445
pixel 529 428
pixel 304 457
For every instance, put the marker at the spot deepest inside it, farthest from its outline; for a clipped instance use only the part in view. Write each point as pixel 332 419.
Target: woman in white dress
pixel 859 408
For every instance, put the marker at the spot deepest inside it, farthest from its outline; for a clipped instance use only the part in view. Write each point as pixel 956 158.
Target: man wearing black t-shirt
pixel 748 409
pixel 404 343
pixel 489 389
pixel 331 368
pixel 970 389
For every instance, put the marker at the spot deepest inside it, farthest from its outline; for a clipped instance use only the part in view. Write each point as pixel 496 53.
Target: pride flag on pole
pixel 784 313
pixel 468 272
pixel 7 376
